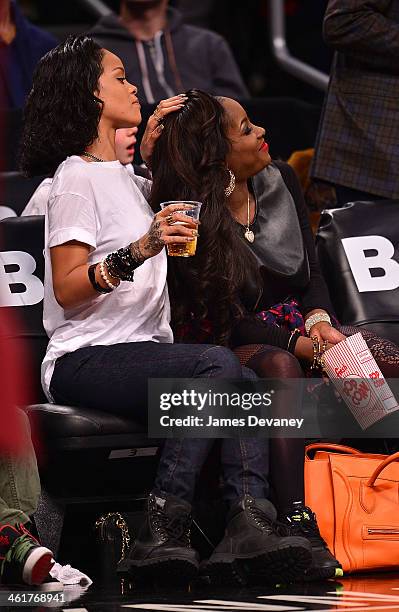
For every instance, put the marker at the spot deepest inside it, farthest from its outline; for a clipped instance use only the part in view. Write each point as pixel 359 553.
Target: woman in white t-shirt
pixel 125 139
pixel 106 307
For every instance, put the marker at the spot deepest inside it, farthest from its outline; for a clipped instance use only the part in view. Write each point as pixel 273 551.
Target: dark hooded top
pixel 179 58
pixel 18 60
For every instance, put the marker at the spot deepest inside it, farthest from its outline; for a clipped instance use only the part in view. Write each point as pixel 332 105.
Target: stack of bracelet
pixel 318 354
pixel 92 278
pixel 121 264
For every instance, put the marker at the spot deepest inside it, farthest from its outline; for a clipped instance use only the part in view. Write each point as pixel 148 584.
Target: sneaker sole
pixel 37 566
pixel 283 565
pixel 166 569
pixel 316 573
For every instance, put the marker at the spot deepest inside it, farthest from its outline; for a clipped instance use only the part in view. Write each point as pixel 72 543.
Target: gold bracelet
pixel 295 332
pixel 318 362
pixel 316 353
pixel 322 361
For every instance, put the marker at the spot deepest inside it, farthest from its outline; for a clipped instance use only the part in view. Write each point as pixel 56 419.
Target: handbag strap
pixel 334 447
pixel 382 466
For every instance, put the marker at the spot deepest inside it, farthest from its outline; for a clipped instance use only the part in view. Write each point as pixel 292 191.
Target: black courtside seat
pixel 358 250
pixel 16 191
pixel 84 453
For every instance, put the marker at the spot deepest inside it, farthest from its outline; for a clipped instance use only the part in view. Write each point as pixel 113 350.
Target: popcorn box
pixel 360 382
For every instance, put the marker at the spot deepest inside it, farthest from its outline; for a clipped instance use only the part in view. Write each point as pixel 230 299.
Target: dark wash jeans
pixel 114 379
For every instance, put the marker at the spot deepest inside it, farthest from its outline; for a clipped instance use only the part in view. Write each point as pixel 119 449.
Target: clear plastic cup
pixel 184 249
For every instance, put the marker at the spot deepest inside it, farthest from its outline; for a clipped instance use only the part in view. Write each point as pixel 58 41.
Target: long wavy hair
pixel 62 112
pixel 189 163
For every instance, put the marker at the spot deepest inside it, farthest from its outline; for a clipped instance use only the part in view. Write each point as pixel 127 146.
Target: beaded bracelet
pixel 117 267
pixel 122 263
pixel 91 272
pixel 104 277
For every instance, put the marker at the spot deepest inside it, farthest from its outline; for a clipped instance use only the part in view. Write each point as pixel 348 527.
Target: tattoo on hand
pixel 136 253
pixel 154 240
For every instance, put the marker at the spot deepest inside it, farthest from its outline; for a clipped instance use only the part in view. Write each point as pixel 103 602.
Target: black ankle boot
pixel 162 549
pixel 253 550
pixel 301 521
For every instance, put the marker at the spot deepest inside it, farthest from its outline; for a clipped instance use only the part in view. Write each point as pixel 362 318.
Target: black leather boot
pixel 253 550
pixel 162 549
pixel 301 521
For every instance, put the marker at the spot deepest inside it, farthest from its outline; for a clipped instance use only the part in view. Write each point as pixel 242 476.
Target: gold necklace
pixel 249 235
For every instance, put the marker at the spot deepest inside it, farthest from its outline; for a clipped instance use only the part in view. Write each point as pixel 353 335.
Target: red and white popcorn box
pixel 360 382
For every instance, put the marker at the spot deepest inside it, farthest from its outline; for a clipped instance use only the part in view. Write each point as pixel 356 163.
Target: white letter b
pixel 361 265
pixel 34 291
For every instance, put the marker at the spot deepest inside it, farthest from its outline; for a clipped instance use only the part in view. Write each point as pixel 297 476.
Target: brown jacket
pixel 358 140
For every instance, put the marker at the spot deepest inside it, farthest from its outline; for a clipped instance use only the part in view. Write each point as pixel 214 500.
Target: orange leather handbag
pixel 355 497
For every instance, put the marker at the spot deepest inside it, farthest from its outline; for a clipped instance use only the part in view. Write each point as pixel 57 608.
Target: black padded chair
pixel 86 454
pixel 358 250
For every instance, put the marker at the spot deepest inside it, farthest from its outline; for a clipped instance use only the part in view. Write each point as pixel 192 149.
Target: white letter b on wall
pixel 16 268
pixel 361 265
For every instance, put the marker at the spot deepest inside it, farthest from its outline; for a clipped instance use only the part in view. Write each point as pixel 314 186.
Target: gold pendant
pixel 249 235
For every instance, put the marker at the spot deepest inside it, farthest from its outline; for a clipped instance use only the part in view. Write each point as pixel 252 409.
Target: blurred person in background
pixel 22 559
pixel 163 56
pixel 357 146
pixel 197 13
pixel 21 46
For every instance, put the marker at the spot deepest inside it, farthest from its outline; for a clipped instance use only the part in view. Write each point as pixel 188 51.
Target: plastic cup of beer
pixel 184 249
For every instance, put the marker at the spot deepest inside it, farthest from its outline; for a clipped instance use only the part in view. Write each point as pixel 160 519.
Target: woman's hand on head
pixel 154 126
pixel 168 227
pixel 325 332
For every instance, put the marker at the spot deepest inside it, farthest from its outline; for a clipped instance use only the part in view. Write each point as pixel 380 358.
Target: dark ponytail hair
pixel 189 163
pixel 62 113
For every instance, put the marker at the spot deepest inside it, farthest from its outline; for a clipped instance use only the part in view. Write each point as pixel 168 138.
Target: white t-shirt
pixel 38 203
pixel 103 205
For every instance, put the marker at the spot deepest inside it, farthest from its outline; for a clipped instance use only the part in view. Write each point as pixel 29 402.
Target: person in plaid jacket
pixel 357 147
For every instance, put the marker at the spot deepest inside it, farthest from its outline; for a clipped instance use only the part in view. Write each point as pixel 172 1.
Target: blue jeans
pixel 114 379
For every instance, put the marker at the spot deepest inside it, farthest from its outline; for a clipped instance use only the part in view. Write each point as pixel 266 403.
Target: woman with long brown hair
pixel 254 284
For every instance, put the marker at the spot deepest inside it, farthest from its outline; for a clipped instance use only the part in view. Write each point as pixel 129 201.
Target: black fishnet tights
pixel 286 454
pixel 385 352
